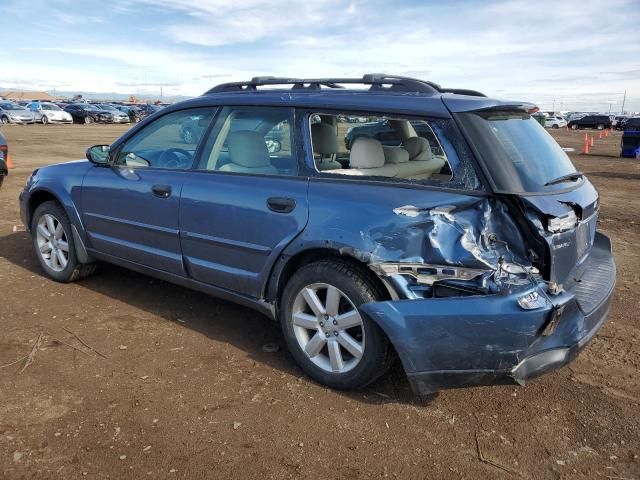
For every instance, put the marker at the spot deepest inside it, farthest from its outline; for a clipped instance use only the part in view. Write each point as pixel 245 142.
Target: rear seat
pixel 422 164
pixel 369 157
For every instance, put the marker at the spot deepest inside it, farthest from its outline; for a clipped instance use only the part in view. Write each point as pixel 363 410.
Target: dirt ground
pixel 181 387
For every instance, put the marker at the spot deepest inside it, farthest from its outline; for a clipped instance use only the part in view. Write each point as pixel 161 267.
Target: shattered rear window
pixel 519 153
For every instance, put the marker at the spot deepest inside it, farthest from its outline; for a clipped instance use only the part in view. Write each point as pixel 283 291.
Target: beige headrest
pixel 247 148
pixel 366 153
pixel 324 137
pixel 395 155
pixel 418 148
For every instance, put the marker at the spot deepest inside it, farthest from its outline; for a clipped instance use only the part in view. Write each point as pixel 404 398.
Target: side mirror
pixel 98 154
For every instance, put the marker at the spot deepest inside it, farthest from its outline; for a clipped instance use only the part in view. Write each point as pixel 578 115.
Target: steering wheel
pixel 175 162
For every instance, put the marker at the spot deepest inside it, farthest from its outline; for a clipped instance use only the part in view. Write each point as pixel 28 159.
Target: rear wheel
pixel 555 125
pixel 4 119
pixel 54 244
pixel 326 333
pixel 601 127
pixel 574 127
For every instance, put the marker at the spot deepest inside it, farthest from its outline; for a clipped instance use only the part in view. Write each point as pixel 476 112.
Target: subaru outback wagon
pixel 470 252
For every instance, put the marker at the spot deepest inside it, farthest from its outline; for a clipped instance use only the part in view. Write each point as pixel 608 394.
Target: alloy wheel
pixel 53 246
pixel 328 328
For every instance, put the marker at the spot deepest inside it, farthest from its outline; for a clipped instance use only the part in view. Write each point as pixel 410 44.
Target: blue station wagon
pixel 465 246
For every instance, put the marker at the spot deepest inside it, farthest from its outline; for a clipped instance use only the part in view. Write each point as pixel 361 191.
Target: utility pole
pixel 623 100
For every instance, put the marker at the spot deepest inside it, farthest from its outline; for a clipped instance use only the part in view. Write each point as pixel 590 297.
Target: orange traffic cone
pixel 9 162
pixel 586 137
pixel 585 147
pixel 591 141
pixel 606 132
pixel 600 134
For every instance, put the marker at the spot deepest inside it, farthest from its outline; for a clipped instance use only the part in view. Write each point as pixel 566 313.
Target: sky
pixel 572 55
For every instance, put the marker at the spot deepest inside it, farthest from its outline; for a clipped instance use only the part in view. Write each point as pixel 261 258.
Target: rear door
pixel 131 208
pixel 245 202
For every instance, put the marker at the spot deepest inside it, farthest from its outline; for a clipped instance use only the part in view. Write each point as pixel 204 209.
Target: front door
pixel 130 209
pixel 245 202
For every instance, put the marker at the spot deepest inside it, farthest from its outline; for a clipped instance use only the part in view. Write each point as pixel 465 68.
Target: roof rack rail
pixel 377 82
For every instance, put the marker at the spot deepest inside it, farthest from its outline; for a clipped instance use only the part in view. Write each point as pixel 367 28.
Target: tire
pixel 88 119
pixel 555 126
pixel 600 127
pixel 4 120
pixel 72 270
pixel 44 119
pixel 350 283
pixel 574 127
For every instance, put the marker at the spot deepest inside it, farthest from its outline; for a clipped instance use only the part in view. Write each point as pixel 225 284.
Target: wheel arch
pixel 42 195
pixel 289 262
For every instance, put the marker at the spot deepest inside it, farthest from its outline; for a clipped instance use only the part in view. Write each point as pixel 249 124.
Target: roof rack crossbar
pixel 377 82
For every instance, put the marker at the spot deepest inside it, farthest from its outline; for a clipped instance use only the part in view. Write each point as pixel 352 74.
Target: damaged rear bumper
pixel 482 340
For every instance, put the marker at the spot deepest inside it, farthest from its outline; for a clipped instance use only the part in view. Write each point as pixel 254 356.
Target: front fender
pixel 64 184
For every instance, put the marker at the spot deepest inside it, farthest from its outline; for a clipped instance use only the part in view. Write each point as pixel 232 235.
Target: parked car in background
pixel 490 271
pixel 49 113
pixel 632 123
pixel 618 119
pixel 4 158
pixel 11 112
pixel 555 122
pixel 118 116
pixel 599 122
pixel 622 123
pixel 86 113
pixel 148 109
pixel 133 113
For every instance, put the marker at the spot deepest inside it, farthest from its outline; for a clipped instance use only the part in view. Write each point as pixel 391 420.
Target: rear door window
pixel 391 148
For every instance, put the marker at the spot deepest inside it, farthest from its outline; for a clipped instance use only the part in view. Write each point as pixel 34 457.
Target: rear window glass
pixel 520 155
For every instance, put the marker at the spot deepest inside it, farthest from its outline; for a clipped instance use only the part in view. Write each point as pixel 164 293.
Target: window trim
pixel 310 163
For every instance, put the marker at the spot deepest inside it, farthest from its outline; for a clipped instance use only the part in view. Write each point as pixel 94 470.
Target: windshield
pixel 50 106
pixel 520 155
pixel 11 106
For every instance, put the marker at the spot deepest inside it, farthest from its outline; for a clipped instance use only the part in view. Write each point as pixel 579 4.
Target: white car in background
pixel 50 113
pixel 555 122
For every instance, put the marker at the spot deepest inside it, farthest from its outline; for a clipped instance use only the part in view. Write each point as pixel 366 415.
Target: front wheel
pixel 600 127
pixel 88 119
pixel 574 127
pixel 555 126
pixel 54 244
pixel 4 120
pixel 44 119
pixel 327 335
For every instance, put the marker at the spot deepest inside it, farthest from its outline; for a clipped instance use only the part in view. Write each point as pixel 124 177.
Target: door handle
pixel 161 191
pixel 281 205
